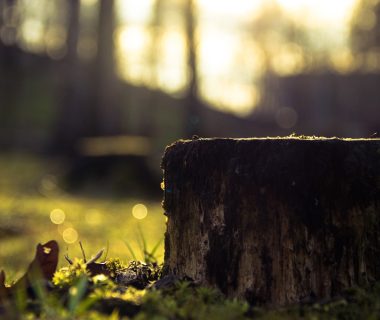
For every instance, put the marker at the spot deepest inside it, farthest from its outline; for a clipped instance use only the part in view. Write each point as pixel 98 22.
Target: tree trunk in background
pixel 192 105
pixel 148 112
pixel 2 7
pixel 155 43
pixel 9 68
pixel 108 118
pixel 71 118
pixel 275 221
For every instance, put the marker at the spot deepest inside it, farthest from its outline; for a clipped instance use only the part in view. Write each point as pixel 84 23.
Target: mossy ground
pixel 75 294
pixel 28 193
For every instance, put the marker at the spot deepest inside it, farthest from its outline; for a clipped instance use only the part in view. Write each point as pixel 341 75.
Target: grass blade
pixel 131 251
pixel 143 240
pixel 157 245
pixel 77 293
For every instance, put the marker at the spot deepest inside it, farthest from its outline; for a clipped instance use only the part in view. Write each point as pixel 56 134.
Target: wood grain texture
pixel 275 221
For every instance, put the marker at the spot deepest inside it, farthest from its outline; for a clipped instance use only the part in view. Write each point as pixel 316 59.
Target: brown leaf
pixel 2 279
pixel 46 259
pixel 4 291
pixel 42 267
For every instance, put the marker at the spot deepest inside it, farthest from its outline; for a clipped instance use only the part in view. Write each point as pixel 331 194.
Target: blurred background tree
pixel 192 116
pixel 69 125
pixel 365 34
pixel 91 92
pixel 99 79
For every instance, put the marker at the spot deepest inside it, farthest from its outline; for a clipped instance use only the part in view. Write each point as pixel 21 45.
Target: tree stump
pixel 273 220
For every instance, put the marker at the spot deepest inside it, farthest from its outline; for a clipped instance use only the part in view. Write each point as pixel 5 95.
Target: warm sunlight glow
pixel 171 61
pixel 88 2
pixel 320 11
pixel 227 94
pixel 224 48
pixel 32 31
pixel 343 61
pixel 216 51
pixel 131 53
pixel 161 62
pixel 229 8
pixel 132 39
pixel 132 12
pixel 289 60
pixel 139 211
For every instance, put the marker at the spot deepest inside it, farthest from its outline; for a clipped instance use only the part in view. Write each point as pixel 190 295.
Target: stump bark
pixel 276 220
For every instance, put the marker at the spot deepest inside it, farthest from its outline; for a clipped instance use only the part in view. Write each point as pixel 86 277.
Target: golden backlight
pixel 229 62
pixel 232 58
pixel 334 13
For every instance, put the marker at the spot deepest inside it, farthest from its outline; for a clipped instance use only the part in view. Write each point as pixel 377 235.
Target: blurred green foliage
pixel 99 297
pixel 30 192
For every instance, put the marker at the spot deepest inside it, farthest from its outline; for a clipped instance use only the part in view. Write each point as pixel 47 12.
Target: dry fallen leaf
pixel 2 280
pixel 42 267
pixel 46 259
pixel 3 289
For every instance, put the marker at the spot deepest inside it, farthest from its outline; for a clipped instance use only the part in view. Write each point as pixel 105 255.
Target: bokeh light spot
pixel 70 235
pixel 286 118
pixel 139 211
pixel 57 216
pixel 73 291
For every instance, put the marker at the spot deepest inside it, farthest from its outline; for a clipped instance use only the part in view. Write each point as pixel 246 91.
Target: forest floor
pixel 33 209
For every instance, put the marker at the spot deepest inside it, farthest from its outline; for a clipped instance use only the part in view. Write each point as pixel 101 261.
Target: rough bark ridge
pixel 275 220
